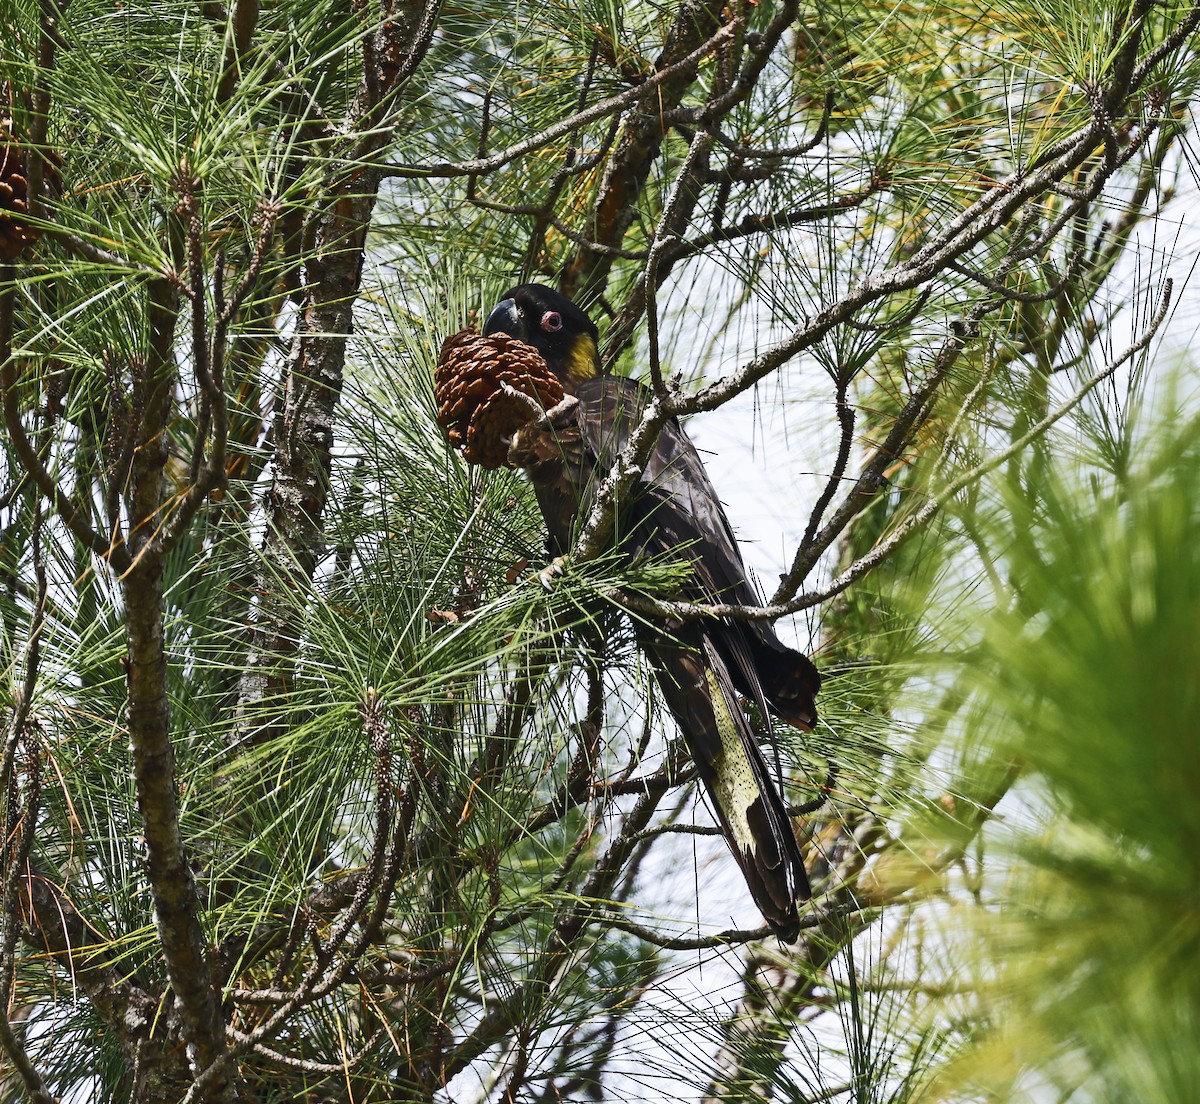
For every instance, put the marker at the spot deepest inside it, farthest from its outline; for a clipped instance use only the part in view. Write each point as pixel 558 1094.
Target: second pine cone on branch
pixel 15 231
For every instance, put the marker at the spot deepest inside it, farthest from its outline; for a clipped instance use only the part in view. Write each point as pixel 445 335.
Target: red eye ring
pixel 552 321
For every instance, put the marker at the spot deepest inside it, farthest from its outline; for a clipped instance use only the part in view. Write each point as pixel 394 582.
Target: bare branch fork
pixel 936 502
pixel 572 166
pixel 210 352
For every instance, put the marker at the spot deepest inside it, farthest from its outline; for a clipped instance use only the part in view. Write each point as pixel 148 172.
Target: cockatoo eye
pixel 552 321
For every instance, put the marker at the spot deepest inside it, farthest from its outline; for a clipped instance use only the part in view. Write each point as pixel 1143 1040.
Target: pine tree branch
pixel 986 216
pixel 172 885
pixel 55 927
pixel 561 948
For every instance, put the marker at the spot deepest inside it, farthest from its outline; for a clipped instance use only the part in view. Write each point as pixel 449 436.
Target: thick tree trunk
pixel 172 886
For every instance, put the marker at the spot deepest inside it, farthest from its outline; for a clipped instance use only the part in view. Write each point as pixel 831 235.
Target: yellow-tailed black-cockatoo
pixel 700 665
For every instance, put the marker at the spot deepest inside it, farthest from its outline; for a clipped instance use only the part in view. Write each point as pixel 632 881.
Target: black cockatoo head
pixel 553 325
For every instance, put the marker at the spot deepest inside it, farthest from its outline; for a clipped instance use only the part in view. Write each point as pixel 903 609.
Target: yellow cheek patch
pixel 584 360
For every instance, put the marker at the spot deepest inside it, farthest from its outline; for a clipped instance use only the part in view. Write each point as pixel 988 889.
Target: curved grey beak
pixel 505 318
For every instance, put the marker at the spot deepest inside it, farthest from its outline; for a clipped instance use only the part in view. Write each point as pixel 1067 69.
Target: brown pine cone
pixel 15 232
pixel 478 414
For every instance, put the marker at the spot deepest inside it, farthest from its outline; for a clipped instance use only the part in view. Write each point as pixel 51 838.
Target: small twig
pixel 729 937
pixel 846 419
pixel 1074 266
pixel 682 187
pixel 770 221
pixel 747 80
pixel 753 153
pixel 1169 45
pixel 309 1065
pixel 903 319
pixel 73 512
pixel 990 363
pixel 89 251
